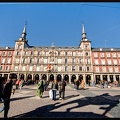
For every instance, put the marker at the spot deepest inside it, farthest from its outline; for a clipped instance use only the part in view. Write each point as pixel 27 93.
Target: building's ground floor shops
pixel 69 77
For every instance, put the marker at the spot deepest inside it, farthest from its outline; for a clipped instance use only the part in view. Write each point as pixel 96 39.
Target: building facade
pixel 80 62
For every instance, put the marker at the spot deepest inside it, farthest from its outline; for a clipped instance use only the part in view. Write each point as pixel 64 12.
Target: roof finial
pixel 24 31
pixel 83 32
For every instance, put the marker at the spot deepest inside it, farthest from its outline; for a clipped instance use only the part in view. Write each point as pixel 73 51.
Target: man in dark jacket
pixel 62 85
pixel 7 95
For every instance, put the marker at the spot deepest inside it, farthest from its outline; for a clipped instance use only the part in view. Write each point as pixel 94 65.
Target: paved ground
pixel 93 102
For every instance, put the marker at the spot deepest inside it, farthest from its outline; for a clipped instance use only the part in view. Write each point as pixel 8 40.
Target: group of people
pixel 77 83
pixel 54 86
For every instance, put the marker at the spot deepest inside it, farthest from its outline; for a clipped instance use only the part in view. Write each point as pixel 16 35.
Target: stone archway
pixel 51 77
pixel 59 77
pixel 73 77
pixel 88 77
pixel 80 78
pixel 22 76
pixel 66 77
pixel 97 79
pixel 36 78
pixel 29 77
pixel 44 76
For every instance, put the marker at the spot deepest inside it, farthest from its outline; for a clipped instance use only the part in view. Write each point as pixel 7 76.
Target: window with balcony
pixel 73 60
pixel 66 68
pixel 108 54
pixel 6 68
pixel 3 60
pixel 101 54
pixel 16 68
pixel 10 54
pixel 118 55
pixel 115 62
pixel 65 60
pixel 80 68
pixel 23 68
pixel 116 69
pixel 59 68
pixel 31 60
pixel 30 68
pixel 38 60
pixel 110 69
pixel 97 69
pixel 103 69
pixel 73 68
pixel 45 60
pixel 109 62
pixel 80 60
pixel 88 69
pixel 17 60
pixel 58 53
pixel 38 68
pixel 66 53
pixel 8 61
pixel 113 54
pixel 59 60
pixel 103 62
pixel 95 54
pixel 96 61
pixel 4 54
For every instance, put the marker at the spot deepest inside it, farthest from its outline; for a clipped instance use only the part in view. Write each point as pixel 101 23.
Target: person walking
pixel 61 87
pixel 2 82
pixel 7 95
pixel 83 84
pixel 40 88
pixel 54 89
pixel 21 84
pixel 77 84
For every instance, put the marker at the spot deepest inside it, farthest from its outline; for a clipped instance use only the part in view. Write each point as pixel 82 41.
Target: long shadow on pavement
pixel 48 111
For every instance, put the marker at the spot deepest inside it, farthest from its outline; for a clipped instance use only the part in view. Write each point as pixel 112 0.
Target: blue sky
pixel 61 23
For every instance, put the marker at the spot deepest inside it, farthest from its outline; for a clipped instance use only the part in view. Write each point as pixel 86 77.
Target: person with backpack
pixel 40 88
pixel 61 87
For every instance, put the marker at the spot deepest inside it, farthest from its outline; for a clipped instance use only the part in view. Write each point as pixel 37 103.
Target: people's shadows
pixel 18 98
pixel 50 109
pixel 48 112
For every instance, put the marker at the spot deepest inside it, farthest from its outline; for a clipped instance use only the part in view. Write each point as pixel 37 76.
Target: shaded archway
pixel 80 77
pixel 6 75
pixel 97 79
pixel 29 77
pixel 51 77
pixel 104 77
pixel 66 77
pixel 88 77
pixel 117 78
pixel 36 78
pixel 59 77
pixel 22 76
pixel 111 78
pixel 15 76
pixel 73 77
pixel 44 76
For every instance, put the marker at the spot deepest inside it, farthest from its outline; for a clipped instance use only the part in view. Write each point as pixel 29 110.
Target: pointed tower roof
pixel 83 33
pixel 24 31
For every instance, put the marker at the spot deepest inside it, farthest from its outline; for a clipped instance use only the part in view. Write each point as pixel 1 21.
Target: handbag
pixel 51 93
